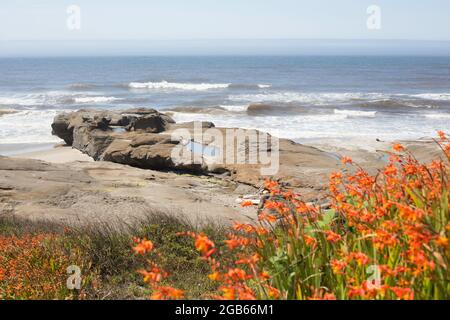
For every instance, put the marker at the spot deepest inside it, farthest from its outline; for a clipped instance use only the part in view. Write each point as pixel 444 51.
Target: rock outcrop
pixel 148 139
pixel 93 131
pixel 109 193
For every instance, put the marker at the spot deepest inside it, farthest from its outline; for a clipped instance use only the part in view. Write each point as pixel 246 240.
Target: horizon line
pixel 225 39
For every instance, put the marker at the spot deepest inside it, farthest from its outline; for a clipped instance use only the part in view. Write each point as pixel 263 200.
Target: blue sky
pixel 172 20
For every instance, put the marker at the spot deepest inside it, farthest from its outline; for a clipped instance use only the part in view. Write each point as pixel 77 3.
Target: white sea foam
pixel 433 96
pixel 164 85
pixel 19 101
pixel 437 116
pixel 52 98
pixel 313 98
pixel 356 113
pixel 27 126
pixel 339 130
pixel 95 99
pixel 235 108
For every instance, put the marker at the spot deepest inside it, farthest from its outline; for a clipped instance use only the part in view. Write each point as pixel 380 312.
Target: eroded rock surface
pixel 104 192
pixel 148 139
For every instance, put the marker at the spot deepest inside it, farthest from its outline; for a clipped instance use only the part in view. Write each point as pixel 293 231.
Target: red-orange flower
pixel 338 266
pixel 403 293
pixel 203 244
pixel 274 293
pixel 347 160
pixel 442 241
pixel 398 147
pixel 143 246
pixel 215 276
pixel 247 203
pixel 167 293
pixel 332 236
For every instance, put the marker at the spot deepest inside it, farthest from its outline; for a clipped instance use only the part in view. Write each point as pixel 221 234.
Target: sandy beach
pixel 57 154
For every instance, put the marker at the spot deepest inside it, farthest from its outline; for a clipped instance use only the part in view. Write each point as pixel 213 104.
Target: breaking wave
pixel 165 85
pixel 53 99
pixel 18 101
pixel 438 116
pixel 356 113
pixel 95 99
pixel 28 126
pixel 433 96
pixel 238 86
pixel 307 98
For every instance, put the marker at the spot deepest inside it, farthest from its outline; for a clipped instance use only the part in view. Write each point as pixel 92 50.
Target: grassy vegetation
pixel 386 237
pixel 104 253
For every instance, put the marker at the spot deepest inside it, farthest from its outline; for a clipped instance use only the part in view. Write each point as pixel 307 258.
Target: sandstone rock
pixel 60 128
pixel 147 139
pixel 93 142
pixel 151 139
pixel 191 125
pixel 106 193
pixel 150 123
pixel 92 131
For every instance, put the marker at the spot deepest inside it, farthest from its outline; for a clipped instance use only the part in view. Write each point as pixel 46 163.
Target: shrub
pixel 33 267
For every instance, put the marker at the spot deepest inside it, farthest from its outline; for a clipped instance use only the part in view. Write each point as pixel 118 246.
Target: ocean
pixel 341 101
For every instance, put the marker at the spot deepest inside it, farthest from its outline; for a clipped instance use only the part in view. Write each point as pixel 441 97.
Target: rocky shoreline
pixel 147 139
pixel 134 173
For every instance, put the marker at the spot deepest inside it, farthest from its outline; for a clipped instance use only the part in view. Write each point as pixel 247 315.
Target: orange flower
pixel 215 276
pixel 235 242
pixel 247 203
pixel 167 293
pixel 267 217
pixel 347 160
pixel 310 241
pixel 338 266
pixel 390 170
pixel 320 295
pixel 280 207
pixel 237 274
pixel 442 241
pixel 332 236
pixel 228 293
pixel 143 246
pixel 274 293
pixel 155 275
pixel 360 258
pixel 264 275
pixel 247 228
pixel 203 244
pixel 251 261
pixel 398 147
pixel 329 296
pixel 354 292
pixel 271 185
pixel 176 293
pixel 403 293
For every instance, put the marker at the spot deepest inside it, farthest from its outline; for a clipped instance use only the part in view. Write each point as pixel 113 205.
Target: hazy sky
pixel 171 20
